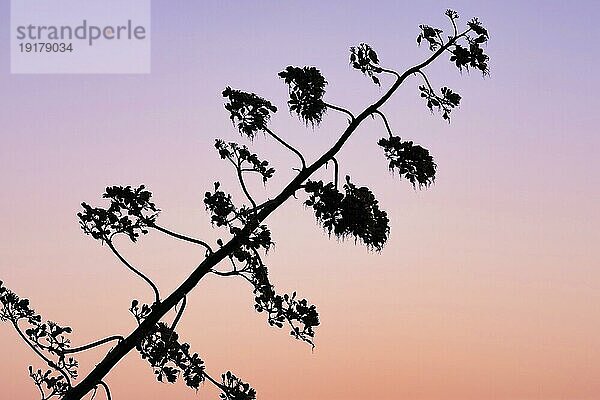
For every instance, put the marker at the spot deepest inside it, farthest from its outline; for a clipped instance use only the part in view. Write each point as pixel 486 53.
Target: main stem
pixel 160 309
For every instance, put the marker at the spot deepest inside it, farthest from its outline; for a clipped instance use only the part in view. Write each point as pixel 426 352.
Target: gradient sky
pixel 489 285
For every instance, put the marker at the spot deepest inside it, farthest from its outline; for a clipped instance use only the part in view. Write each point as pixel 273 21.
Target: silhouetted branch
pixel 214 382
pixel 340 109
pixel 243 185
pixel 454 27
pixel 92 345
pixel 274 136
pixel 106 390
pixel 336 171
pixel 178 316
pixel 452 16
pixel 42 394
pixel 389 71
pixel 181 237
pixel 179 313
pixel 440 37
pixel 258 207
pixel 173 326
pixel 425 79
pixel 228 273
pixel 385 121
pixel 135 271
pixel 455 39
pixel 237 215
pixel 233 273
pixel 94 393
pixel 411 71
pixel 232 162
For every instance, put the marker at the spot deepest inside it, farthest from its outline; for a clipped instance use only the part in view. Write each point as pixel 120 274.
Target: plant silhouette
pixel 345 210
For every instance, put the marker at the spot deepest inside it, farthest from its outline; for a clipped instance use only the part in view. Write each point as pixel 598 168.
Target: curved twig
pixel 385 121
pixel 214 382
pixel 228 273
pixel 425 79
pixel 106 390
pixel 389 71
pixel 232 273
pixel 441 40
pixel 243 185
pixel 135 271
pixel 336 171
pixel 172 329
pixel 182 237
pixel 92 345
pixel 231 160
pixel 455 39
pixel 340 109
pixel 258 207
pixel 178 316
pixel 453 25
pixel 274 136
pixel 42 394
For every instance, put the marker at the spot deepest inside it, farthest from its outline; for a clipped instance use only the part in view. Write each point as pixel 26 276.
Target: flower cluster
pixel 166 355
pixel 130 212
pixel 250 111
pixel 233 388
pixel 306 88
pixel 472 56
pixel 364 59
pixel 48 381
pixel 46 338
pixel 240 155
pixel 220 205
pixel 355 213
pixel 298 313
pixel 431 35
pixel 444 103
pixel 411 161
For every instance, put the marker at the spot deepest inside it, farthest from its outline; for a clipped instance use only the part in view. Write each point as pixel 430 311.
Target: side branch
pixel 340 109
pixel 214 382
pixel 174 325
pixel 385 121
pixel 178 316
pixel 135 271
pixel 281 141
pixel 238 169
pixel 413 70
pixel 182 237
pixel 425 79
pixel 106 390
pixel 336 171
pixel 387 71
pixel 92 345
pixel 233 273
